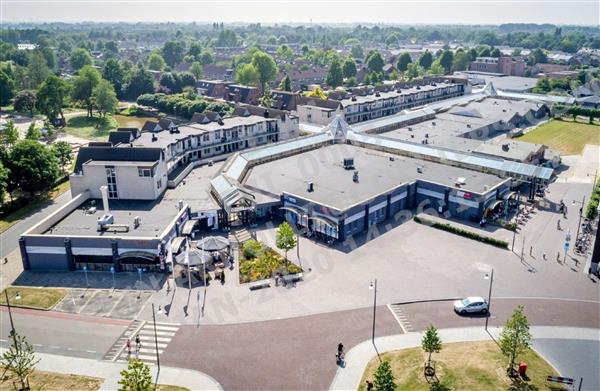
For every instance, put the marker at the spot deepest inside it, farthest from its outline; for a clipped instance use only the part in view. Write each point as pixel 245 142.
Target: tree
pixel 266 67
pixel 113 72
pixel 33 133
pixel 136 377
pixel 285 84
pixel 431 342
pixel 7 89
pixel 169 80
pixel 285 239
pixel 403 62
pixel 156 62
pixel 436 68
pixel 357 52
pixel 83 86
pixel 19 359
pixel 515 337
pixel 25 101
pixel 413 71
pixel 51 97
pixel 80 58
pixel 64 154
pixel 37 69
pixel 173 52
pixel 537 56
pixel 33 167
pixel 426 59
pixel 9 135
pixel 3 182
pixel 247 75
pixel 206 57
pixel 349 67
pixel 446 60
pixel 105 97
pixel 384 378
pixel 375 62
pixel 196 69
pixel 141 82
pixel 284 52
pixel 461 60
pixel 317 92
pixel 335 77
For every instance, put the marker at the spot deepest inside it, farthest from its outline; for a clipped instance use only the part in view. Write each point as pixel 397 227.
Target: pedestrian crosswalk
pixel 151 343
pixel 403 321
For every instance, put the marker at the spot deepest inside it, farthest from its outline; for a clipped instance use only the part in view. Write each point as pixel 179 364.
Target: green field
pixel 94 128
pixel 125 121
pixel 40 298
pixel 564 135
pixel 462 366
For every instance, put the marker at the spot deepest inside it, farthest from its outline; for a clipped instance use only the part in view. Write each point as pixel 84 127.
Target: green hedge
pixel 592 208
pixel 462 232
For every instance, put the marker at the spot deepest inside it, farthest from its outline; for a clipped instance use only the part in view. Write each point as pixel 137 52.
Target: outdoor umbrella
pixel 213 243
pixel 196 258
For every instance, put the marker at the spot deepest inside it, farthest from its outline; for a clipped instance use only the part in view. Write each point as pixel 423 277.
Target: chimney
pixel 355 177
pixel 104 192
pixel 266 113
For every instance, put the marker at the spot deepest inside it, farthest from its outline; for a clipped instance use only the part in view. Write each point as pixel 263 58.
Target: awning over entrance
pixel 177 244
pixel 495 204
pixel 189 226
pixel 138 257
pixel 508 195
pixel 330 223
pixel 294 209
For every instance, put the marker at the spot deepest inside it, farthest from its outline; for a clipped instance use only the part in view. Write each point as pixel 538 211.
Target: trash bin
pixel 522 368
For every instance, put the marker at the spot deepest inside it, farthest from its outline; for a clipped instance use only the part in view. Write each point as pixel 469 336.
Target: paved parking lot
pixel 105 303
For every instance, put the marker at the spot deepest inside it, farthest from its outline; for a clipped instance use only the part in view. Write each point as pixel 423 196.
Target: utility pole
pixel 489 300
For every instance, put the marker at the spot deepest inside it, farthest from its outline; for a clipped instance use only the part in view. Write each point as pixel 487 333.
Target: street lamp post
pixel 140 282
pixel 373 287
pixel 155 336
pixel 112 271
pixel 580 215
pixel 491 278
pixel 87 282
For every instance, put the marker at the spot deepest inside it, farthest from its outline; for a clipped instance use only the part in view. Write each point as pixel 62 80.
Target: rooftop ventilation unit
pixel 311 187
pixel 410 129
pixel 154 138
pixel 348 163
pixel 505 147
pixel 377 94
pixel 353 99
pixel 355 177
pixel 433 123
pixel 461 181
pixel 419 169
pixel 136 222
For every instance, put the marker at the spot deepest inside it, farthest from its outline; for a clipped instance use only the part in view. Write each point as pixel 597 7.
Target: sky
pixel 580 12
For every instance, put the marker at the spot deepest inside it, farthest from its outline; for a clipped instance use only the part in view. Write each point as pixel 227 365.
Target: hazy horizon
pixel 399 12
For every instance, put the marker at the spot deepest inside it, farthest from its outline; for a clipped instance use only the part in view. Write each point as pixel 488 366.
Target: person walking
pixel 544 256
pixel 128 343
pixel 369 385
pixel 530 251
pixel 138 345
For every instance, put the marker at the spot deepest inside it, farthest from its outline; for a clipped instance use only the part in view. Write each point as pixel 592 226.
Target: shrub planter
pixel 462 232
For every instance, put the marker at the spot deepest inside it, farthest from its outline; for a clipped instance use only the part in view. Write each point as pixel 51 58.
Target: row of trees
pixel 183 105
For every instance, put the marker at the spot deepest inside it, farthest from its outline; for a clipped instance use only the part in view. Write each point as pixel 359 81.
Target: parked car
pixel 470 305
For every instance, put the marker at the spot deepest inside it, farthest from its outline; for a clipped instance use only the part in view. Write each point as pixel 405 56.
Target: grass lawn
pixel 259 262
pixel 564 135
pixel 40 380
pixel 40 298
pixel 168 387
pixel 94 128
pixel 31 207
pixel 125 121
pixel 462 366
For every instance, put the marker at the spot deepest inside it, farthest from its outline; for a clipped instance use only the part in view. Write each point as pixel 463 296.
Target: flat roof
pixel 154 215
pixel 194 190
pixel 333 185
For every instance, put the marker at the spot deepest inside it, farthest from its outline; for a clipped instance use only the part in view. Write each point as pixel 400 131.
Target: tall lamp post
pixel 373 287
pixel 580 215
pixel 489 276
pixel 156 336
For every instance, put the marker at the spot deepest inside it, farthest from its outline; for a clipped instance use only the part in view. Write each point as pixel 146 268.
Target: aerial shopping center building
pixel 132 197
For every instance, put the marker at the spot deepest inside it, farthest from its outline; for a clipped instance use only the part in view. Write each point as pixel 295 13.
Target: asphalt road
pixel 294 353
pixel 9 239
pixel 63 334
pixel 574 358
pixel 540 312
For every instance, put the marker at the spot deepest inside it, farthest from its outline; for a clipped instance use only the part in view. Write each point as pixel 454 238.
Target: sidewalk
pixel 110 371
pixel 348 378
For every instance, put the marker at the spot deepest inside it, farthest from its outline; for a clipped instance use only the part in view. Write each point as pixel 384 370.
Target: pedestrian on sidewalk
pixel 531 251
pixel 5 260
pixel 558 224
pixel 558 256
pixel 544 256
pixel 128 347
pixel 369 385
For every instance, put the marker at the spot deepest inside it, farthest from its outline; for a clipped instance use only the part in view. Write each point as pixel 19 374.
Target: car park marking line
pixel 87 301
pixel 114 306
